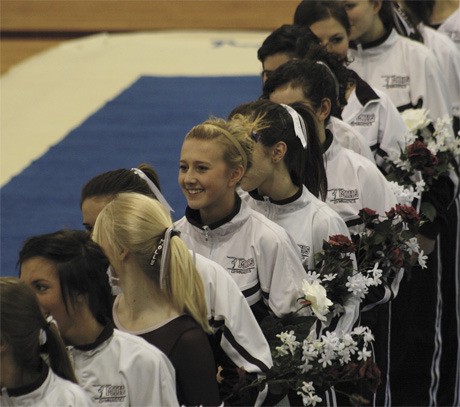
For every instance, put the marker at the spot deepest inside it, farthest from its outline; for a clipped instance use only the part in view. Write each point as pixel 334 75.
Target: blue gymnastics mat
pixel 144 123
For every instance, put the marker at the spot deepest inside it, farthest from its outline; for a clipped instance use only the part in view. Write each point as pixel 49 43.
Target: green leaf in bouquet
pixel 428 210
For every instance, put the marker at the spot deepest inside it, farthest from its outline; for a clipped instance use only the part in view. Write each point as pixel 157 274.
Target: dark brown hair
pixel 21 320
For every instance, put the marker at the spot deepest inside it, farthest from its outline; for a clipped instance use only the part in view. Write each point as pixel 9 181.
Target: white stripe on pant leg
pixel 387 402
pixel 374 399
pixel 334 398
pixel 435 373
pixel 328 402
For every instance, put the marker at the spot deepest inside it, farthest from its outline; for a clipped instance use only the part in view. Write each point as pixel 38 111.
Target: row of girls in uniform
pixel 241 267
pixel 371 74
pixel 264 188
pixel 165 294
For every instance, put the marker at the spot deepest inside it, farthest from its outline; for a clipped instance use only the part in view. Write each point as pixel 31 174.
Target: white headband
pixel 336 82
pixel 299 125
pixel 153 188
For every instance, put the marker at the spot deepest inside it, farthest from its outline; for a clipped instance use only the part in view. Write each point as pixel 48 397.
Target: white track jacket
pixel 260 256
pixel 49 390
pixel 350 138
pixel 121 369
pixel 242 339
pixel 354 183
pixel 406 70
pixel 372 113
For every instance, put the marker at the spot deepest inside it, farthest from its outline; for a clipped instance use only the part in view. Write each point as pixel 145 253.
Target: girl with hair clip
pixel 101 189
pixel 66 270
pixel 285 179
pixel 236 334
pixel 25 378
pixel 368 110
pixel 288 171
pixel 162 297
pixel 259 254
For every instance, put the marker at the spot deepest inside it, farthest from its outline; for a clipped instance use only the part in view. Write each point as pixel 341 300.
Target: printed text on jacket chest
pixel 342 195
pixel 364 119
pixel 395 81
pixel 241 265
pixel 110 393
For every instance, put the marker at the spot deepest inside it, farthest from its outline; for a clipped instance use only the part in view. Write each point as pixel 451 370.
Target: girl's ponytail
pixel 57 353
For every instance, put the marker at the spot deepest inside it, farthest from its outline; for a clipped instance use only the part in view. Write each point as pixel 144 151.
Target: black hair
pixel 421 10
pixel 111 183
pixel 284 40
pixel 81 265
pixel 342 74
pixel 309 12
pixel 387 14
pixel 305 166
pixel 408 15
pixel 315 80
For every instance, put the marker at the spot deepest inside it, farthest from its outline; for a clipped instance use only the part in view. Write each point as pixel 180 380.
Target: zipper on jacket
pixel 359 48
pixel 268 208
pixel 206 232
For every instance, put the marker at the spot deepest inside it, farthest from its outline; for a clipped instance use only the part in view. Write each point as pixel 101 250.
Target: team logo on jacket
pixel 108 393
pixel 241 265
pixel 454 35
pixel 395 81
pixel 304 251
pixel 364 120
pixel 342 195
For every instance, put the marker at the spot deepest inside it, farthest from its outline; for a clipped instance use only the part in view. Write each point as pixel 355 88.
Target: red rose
pixel 408 213
pixel 368 216
pixel 421 157
pixel 341 243
pixel 370 212
pixel 391 214
pixel 396 257
pixel 371 373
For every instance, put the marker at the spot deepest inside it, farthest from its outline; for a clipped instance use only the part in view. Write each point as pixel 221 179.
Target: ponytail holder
pixel 42 333
pixel 113 281
pixel 163 247
pixel 299 125
pixel 153 188
pixel 336 82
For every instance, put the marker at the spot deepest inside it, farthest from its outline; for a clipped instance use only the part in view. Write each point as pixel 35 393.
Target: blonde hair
pixel 137 223
pixel 233 135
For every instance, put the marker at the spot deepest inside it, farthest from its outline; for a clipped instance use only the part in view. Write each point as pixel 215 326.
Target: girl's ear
pixel 324 110
pixel 279 150
pixel 235 175
pixel 377 5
